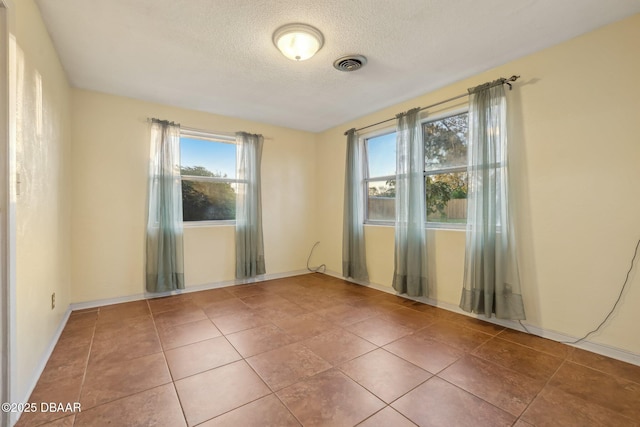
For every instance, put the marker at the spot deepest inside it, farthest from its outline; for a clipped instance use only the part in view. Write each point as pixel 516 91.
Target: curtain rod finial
pixel 513 78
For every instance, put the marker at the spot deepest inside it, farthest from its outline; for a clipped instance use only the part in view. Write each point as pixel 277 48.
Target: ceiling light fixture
pixel 298 41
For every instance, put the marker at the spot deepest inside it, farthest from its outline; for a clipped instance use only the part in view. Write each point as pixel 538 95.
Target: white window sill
pixel 198 224
pixel 430 226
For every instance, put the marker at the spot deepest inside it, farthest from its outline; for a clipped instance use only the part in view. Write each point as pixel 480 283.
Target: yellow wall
pixel 575 126
pixel 109 167
pixel 575 121
pixel 43 205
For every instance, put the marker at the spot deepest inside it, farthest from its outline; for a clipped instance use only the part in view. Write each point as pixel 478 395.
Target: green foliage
pixel 459 193
pixel 457 182
pixel 445 142
pixel 203 201
pixel 438 195
pixel 198 171
pixel 445 145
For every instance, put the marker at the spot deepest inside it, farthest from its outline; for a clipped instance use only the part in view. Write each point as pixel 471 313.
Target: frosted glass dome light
pixel 298 41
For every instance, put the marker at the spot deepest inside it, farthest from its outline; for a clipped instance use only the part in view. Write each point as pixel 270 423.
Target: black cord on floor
pixel 525 328
pixel 613 309
pixel 319 269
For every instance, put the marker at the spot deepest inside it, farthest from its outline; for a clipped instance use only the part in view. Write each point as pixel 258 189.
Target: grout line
pixel 119 398
pixel 480 398
pixel 546 384
pixel 336 367
pixel 243 359
pixel 287 408
pixel 391 408
pixel 113 361
pixel 86 363
pixel 565 361
pixel 233 409
pixel 570 349
pixel 601 371
pixel 164 356
pixel 376 395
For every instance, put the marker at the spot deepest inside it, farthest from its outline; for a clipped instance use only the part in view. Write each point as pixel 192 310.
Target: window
pixel 208 169
pixel 381 177
pixel 445 159
pixel 445 165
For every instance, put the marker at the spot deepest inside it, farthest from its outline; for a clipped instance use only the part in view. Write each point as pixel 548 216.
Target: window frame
pixel 367 179
pixel 211 137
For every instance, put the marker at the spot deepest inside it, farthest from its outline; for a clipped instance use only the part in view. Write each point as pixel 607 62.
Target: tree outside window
pixel 208 179
pixel 445 172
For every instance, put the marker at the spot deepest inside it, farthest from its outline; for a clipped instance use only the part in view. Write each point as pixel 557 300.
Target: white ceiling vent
pixel 350 63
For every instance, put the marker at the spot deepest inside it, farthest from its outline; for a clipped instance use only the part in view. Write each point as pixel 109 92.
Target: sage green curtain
pixel 164 252
pixel 491 277
pixel 249 241
pixel 354 258
pixel 410 272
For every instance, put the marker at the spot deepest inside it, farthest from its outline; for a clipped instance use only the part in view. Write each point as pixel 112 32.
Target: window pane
pixel 445 142
pixel 208 201
pixel 202 157
pixel 381 155
pixel 447 197
pixel 381 200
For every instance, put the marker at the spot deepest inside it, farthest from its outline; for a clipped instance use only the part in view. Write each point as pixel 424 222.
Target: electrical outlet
pixel 53 301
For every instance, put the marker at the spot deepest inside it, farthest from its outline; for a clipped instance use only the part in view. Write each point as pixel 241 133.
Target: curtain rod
pixel 167 122
pixel 192 130
pixel 500 81
pixel 221 135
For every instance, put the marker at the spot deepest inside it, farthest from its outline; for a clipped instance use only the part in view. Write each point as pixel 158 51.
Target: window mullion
pixel 457 169
pixel 209 179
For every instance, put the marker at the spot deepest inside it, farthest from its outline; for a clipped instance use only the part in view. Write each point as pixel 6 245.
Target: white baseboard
pixel 91 304
pixel 43 360
pixel 189 289
pixel 603 349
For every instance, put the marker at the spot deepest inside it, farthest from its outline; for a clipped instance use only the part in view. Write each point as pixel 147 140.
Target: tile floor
pixel 317 351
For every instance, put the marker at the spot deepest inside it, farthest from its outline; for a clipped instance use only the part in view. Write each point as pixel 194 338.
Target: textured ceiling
pixel 217 55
